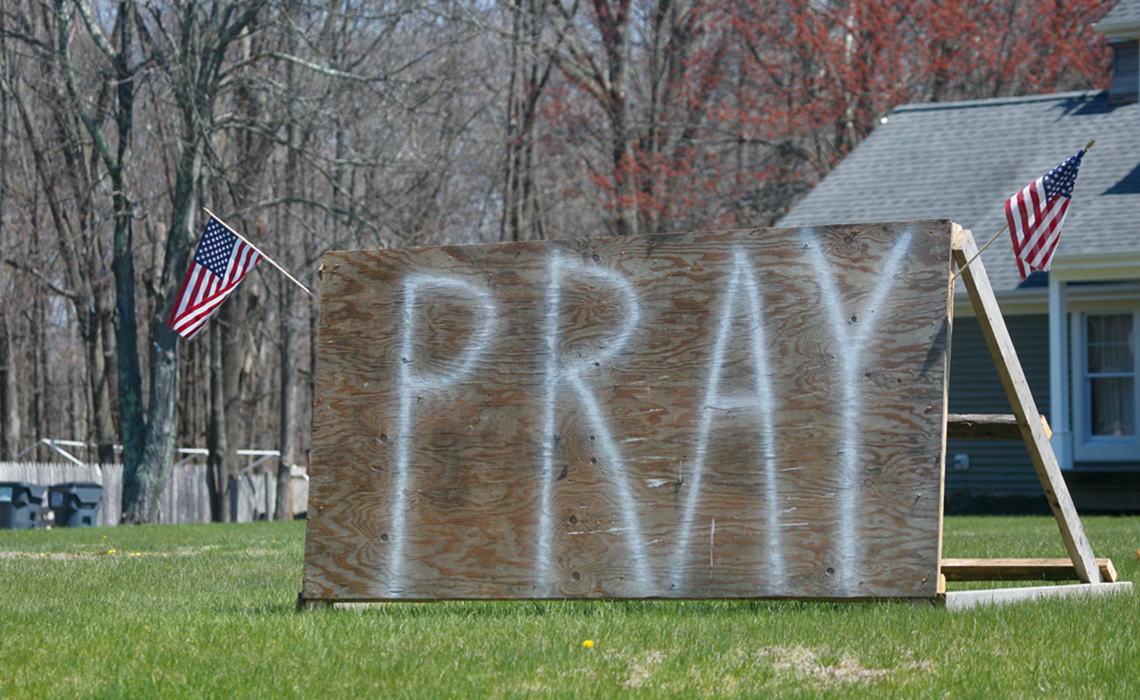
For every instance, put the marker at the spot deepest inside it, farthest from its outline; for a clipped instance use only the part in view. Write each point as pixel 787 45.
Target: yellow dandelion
pixel 42 554
pixel 589 644
pixel 111 551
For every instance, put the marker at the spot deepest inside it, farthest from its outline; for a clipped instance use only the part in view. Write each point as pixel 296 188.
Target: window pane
pixel 1110 344
pixel 1113 410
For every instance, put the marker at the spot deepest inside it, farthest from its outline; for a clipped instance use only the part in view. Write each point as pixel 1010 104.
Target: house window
pixel 1111 374
pixel 1108 396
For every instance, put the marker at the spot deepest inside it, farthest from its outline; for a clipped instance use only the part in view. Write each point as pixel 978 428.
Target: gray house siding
pixel 1000 474
pixel 1000 477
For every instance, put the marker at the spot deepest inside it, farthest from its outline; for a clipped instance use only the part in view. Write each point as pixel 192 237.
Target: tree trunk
pixel 9 403
pixel 44 420
pixel 143 484
pixel 100 423
pixel 289 362
pixel 529 74
pixel 132 424
pixel 9 397
pixel 290 327
pixel 142 489
pixel 616 37
pixel 107 453
pixel 219 481
pixel 232 322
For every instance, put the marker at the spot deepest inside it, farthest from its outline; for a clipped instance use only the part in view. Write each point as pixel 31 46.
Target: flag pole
pixel 980 250
pixel 259 252
pixel 954 276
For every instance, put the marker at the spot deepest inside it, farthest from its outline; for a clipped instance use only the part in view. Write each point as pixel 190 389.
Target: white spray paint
pixel 712 541
pixel 569 371
pixel 742 282
pixel 414 384
pixel 850 342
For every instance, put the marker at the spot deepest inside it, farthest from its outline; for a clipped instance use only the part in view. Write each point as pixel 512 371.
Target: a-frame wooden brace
pixel 1094 576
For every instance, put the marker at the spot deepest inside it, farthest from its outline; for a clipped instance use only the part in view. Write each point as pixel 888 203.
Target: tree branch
pixel 34 272
pixel 95 30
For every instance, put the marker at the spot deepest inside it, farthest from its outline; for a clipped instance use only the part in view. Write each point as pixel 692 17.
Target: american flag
pixel 1036 213
pixel 222 260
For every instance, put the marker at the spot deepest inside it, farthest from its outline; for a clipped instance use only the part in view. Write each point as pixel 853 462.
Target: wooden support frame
pixel 1096 576
pixel 1020 570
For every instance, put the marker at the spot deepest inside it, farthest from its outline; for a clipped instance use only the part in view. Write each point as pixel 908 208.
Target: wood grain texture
pixel 755 414
pixel 987 426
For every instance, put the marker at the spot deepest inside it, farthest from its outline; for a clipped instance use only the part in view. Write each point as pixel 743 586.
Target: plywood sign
pixel 750 414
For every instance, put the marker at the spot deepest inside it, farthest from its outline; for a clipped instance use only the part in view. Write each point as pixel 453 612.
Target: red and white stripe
pixel 1035 226
pixel 203 291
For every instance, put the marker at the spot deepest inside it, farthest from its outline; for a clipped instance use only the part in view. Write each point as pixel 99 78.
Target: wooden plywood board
pixel 753 414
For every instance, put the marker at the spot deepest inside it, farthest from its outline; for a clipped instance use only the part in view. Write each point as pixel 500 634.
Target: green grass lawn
pixel 208 611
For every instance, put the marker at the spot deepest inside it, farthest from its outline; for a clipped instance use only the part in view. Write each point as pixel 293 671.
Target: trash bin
pixel 20 504
pixel 75 504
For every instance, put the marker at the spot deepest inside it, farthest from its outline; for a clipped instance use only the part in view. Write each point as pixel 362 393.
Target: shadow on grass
pixel 585 609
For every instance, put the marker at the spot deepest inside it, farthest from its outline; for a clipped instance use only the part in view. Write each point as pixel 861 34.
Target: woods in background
pixel 377 123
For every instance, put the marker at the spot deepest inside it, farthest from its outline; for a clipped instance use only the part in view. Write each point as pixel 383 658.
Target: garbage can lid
pixel 83 491
pixel 10 490
pixel 78 485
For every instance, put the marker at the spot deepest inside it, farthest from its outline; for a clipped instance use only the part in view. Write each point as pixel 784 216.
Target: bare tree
pixel 9 385
pixel 192 40
pixel 530 67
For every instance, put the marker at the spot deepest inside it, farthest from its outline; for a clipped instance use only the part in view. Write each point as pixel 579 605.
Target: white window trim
pixel 1087 447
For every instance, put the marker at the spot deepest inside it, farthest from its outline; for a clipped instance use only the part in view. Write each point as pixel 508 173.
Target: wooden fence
pixel 186 498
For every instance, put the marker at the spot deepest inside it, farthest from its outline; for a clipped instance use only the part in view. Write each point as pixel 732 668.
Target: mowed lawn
pixel 208 611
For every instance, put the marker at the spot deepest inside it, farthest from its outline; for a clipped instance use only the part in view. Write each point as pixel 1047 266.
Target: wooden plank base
pixel 965 600
pixel 1020 570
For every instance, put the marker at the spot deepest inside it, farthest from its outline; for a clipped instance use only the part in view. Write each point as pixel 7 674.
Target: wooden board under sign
pixel 755 414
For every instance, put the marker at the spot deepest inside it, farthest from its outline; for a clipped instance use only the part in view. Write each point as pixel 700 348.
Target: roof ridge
pixel 967 104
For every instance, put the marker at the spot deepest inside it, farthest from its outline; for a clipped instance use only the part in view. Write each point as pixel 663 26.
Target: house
pixel 1077 327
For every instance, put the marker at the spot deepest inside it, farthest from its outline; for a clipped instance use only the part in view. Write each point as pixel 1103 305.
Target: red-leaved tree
pixel 686 113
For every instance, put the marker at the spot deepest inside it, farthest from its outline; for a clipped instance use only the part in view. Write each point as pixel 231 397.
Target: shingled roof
pixel 962 160
pixel 1124 17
